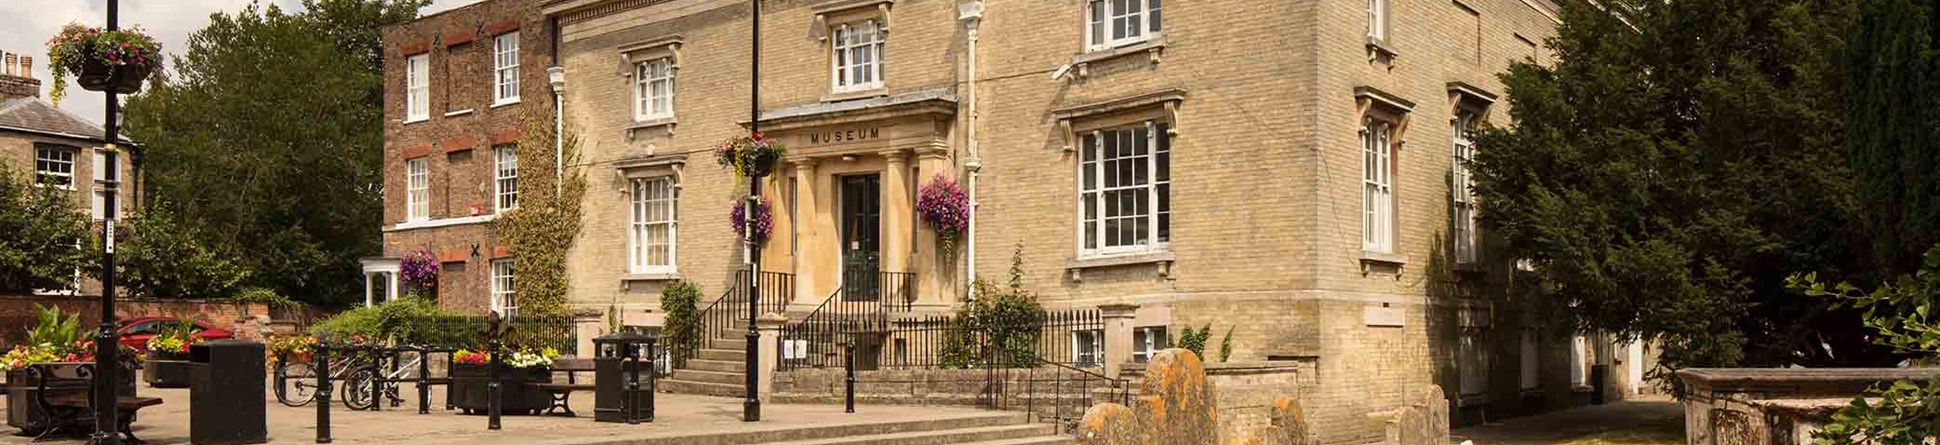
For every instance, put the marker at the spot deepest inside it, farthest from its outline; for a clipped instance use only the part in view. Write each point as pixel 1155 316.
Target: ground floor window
pixel 502 296
pixel 1148 341
pixel 1474 366
pixel 1087 348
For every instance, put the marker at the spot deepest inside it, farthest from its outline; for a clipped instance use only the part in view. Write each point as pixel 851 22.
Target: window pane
pixel 1152 16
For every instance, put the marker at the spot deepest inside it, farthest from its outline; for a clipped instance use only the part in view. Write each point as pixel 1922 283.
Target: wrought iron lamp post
pixel 107 345
pixel 751 404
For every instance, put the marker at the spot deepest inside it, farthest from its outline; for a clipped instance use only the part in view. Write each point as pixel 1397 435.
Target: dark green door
pixel 861 237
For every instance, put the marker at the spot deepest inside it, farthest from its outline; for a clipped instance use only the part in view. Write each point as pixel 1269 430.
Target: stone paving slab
pixel 1651 417
pixel 681 420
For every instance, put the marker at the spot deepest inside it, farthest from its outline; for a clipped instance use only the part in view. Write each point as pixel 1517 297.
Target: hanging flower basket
pixel 749 156
pixel 943 205
pixel 764 221
pixel 117 61
pixel 418 271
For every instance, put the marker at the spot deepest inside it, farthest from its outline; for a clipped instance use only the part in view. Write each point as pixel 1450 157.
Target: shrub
pixel 683 329
pixel 42 226
pixel 1008 320
pixel 266 297
pixel 1195 341
pixel 163 258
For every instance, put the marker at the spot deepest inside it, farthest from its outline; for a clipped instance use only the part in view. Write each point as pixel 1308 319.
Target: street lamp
pixel 107 345
pixel 751 403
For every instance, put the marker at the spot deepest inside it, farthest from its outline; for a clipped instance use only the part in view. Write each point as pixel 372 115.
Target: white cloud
pixel 31 22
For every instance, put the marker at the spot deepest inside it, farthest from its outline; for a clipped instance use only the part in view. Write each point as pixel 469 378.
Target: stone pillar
pixel 770 326
pixel 586 326
pixel 806 223
pixel 1118 335
pixel 897 208
pixel 933 289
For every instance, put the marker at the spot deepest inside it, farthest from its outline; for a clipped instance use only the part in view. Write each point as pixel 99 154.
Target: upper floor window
pixel 54 167
pixel 505 68
pixel 417 88
pixel 1460 190
pixel 857 65
pixel 1125 198
pixel 417 189
pixel 1377 21
pixel 503 300
pixel 1113 23
pixel 505 179
pixel 1377 180
pixel 653 89
pixel 652 235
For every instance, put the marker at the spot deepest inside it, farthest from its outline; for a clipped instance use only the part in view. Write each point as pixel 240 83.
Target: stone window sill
pixel 1162 259
pixel 1153 48
pixel 647 277
pixel 857 94
pixel 443 222
pixel 1378 49
pixel 1373 258
pixel 459 113
pixel 414 121
pixel 633 130
pixel 512 101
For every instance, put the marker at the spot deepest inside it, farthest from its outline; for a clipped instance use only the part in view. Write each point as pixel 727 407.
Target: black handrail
pixel 725 317
pixel 1066 412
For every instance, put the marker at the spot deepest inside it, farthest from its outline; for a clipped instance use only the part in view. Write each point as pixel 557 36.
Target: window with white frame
pixel 1114 23
pixel 54 167
pixel 651 240
pixel 505 68
pixel 1125 190
pixel 1148 341
pixel 1461 193
pixel 857 62
pixel 101 171
pixel 417 189
pixel 1377 179
pixel 505 179
pixel 503 301
pixel 100 205
pixel 1377 21
pixel 417 88
pixel 1087 348
pixel 653 89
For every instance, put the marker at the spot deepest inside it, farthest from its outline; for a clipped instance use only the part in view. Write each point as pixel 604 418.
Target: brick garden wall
pixel 17 311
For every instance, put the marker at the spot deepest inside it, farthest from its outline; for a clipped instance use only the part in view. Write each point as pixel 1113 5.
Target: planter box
pixel 22 389
pixel 167 373
pixel 471 392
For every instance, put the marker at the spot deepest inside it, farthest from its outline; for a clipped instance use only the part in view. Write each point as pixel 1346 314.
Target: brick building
pixel 1286 170
pixel 459 88
pixel 51 147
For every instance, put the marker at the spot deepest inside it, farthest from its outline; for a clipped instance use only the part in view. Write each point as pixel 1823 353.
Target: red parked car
pixel 135 333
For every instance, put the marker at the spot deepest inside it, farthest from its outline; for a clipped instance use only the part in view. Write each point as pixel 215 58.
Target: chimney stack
pixel 18 79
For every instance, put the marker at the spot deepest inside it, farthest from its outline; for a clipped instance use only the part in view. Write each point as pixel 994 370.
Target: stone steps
pixel 729 355
pixel 716 365
pixel 695 375
pixel 701 388
pixel 995 428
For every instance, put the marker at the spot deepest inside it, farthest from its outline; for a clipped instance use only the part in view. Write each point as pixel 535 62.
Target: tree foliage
pixel 1675 163
pixel 271 129
pixel 1905 312
pixel 160 256
pixel 682 329
pixel 42 227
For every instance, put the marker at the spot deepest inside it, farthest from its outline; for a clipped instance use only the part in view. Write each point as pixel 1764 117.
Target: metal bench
pixel 65 394
pixel 562 393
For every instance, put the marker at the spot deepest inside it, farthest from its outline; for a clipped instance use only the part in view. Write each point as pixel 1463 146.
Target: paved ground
pixel 1651 421
pixel 678 415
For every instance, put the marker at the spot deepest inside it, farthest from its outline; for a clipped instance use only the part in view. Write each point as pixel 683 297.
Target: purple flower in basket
pixel 764 221
pixel 943 205
pixel 419 269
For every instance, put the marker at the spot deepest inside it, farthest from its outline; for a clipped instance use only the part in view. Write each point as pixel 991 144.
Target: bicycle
pixel 297 381
pixel 358 394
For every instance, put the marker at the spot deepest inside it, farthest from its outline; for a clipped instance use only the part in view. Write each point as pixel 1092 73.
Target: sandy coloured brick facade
pixel 465 122
pixel 1259 104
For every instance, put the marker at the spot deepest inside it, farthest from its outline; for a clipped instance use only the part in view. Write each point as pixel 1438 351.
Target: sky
pixel 29 23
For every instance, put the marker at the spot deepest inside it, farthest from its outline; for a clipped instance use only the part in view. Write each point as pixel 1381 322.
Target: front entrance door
pixel 861 237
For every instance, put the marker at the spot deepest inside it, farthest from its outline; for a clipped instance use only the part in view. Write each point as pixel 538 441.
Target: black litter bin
pixel 226 393
pixel 623 377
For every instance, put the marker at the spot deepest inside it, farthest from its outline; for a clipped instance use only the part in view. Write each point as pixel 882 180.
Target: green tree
pixel 272 130
pixel 1672 167
pixel 43 229
pixel 1905 313
pixel 1893 127
pixel 163 257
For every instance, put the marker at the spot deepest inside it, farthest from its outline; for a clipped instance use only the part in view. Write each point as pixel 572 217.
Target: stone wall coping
pixel 1786 380
pixel 1135 370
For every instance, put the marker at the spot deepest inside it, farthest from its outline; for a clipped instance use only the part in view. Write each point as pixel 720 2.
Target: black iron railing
pixel 1063 397
pixel 1072 338
pixel 857 313
pixel 727 317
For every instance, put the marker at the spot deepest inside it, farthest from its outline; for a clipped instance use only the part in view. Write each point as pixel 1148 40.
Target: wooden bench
pixel 562 393
pixel 65 394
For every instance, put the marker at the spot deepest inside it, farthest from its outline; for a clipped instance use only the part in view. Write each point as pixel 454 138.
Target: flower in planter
pixel 943 205
pixel 529 358
pixel 419 270
pixel 749 155
pixel 764 220
pixel 92 52
pixel 468 357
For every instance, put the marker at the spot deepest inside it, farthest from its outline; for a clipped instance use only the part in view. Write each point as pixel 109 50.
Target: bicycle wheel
pixel 357 389
pixel 297 384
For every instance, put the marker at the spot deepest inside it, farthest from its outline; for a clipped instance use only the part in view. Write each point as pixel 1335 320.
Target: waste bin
pixel 623 376
pixel 226 393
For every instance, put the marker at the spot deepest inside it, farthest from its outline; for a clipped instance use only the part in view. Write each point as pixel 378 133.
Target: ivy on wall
pixel 542 229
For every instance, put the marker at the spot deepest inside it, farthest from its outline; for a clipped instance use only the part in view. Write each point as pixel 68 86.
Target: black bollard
pixel 424 380
pixel 323 393
pixel 491 372
pixel 632 398
pixel 848 390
